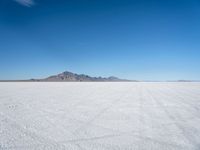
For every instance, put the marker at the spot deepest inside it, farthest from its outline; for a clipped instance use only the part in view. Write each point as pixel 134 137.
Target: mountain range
pixel 73 77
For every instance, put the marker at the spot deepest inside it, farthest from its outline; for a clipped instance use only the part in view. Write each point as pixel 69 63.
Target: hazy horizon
pixel 130 39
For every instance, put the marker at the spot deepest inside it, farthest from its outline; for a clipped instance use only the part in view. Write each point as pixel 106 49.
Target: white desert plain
pixel 100 115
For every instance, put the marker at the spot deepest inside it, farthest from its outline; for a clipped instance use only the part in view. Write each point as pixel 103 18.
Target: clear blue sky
pixel 134 39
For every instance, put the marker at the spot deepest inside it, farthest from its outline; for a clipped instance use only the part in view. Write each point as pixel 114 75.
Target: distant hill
pixel 73 77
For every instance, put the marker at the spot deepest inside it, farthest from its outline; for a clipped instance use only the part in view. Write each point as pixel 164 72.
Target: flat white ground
pixel 100 116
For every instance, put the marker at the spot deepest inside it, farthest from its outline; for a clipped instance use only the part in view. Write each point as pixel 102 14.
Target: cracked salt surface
pixel 100 116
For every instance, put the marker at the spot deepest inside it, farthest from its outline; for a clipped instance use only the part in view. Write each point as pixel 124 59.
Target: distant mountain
pixel 73 77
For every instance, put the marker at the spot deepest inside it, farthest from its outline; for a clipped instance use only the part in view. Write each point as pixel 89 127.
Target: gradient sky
pixel 134 39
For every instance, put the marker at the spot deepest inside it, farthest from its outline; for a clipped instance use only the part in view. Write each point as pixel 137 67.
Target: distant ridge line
pixel 74 77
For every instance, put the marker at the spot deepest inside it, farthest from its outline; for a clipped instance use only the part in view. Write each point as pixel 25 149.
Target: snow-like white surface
pixel 100 116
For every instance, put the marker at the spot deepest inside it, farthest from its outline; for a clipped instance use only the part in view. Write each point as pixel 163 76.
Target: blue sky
pixel 134 39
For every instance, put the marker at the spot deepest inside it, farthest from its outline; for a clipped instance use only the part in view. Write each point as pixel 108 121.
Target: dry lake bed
pixel 100 116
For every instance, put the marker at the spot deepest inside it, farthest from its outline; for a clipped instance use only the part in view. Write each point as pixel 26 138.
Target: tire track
pixel 185 134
